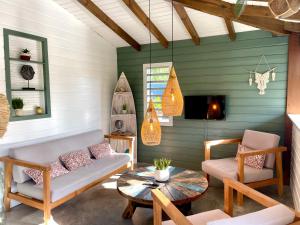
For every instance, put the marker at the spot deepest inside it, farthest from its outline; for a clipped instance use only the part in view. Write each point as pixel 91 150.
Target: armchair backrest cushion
pixel 49 151
pixel 259 141
pixel 276 215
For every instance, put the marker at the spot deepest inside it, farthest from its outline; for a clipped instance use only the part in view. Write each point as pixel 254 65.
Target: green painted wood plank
pixel 217 66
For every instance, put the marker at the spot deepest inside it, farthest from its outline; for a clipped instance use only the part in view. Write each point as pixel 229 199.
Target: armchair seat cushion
pixel 74 180
pixel 228 167
pixel 203 218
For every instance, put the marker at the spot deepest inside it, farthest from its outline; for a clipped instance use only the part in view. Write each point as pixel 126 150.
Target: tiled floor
pixel 103 205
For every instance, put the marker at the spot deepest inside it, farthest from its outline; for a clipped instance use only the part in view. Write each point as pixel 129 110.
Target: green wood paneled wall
pixel 217 66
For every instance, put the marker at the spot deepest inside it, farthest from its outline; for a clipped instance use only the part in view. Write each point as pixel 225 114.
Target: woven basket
pixel 151 130
pixel 172 100
pixel 282 9
pixel 4 114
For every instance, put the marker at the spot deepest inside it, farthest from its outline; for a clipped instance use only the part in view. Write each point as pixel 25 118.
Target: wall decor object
pixel 262 79
pixel 23 66
pixel 123 123
pixel 151 130
pixel 4 114
pixel 172 99
pixel 27 73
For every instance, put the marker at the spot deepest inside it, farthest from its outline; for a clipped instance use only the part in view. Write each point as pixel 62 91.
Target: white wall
pixel 295 167
pixel 82 68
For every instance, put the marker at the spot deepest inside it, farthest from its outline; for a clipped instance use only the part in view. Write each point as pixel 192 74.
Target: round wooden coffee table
pixel 183 187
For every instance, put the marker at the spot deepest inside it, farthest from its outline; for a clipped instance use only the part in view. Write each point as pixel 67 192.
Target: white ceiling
pixel 205 24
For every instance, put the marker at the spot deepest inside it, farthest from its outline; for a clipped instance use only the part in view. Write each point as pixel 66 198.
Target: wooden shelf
pixel 121 114
pixel 38 90
pixel 26 61
pixel 29 117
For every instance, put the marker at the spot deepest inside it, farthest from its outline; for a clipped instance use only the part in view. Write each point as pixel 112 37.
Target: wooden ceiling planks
pixel 96 11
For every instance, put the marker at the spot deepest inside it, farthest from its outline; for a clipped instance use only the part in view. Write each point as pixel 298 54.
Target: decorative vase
pixel 124 111
pixel 39 110
pixel 19 112
pixel 25 56
pixel 162 175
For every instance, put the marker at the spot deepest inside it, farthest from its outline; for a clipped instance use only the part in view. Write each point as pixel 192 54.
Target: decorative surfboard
pixel 123 116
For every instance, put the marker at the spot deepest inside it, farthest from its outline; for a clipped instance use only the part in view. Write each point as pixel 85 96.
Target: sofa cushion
pixel 203 218
pixel 100 150
pixel 228 167
pixel 57 170
pixel 75 159
pixel 74 180
pixel 49 151
pixel 259 141
pixel 276 215
pixel 255 161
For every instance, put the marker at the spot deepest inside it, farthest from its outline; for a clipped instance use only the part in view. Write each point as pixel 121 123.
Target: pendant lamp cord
pixel 172 32
pixel 150 51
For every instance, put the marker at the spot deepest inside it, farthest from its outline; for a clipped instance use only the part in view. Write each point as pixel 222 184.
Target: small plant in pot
pixel 124 109
pixel 162 173
pixel 25 54
pixel 17 104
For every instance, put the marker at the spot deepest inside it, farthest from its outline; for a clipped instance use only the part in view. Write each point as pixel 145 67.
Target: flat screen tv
pixel 205 107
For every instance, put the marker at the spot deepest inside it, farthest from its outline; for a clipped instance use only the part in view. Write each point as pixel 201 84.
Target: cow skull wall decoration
pixel 262 79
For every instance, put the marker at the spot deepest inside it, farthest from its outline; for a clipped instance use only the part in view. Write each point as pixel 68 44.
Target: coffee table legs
pixel 129 210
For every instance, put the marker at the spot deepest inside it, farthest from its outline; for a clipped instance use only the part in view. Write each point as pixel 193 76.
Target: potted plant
pixel 17 104
pixel 162 172
pixel 124 109
pixel 25 54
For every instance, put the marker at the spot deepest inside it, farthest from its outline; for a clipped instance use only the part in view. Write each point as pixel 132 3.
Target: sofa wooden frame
pixel 278 180
pixel 46 205
pixel 162 203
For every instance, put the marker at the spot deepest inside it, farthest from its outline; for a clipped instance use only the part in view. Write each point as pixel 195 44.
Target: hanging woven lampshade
pixel 4 114
pixel 172 100
pixel 151 131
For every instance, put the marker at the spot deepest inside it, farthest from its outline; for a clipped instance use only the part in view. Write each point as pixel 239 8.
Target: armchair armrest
pixel 19 162
pixel 161 202
pixel 208 144
pixel 262 152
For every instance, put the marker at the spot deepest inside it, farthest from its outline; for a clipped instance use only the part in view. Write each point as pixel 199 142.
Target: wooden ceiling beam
pixel 136 9
pixel 96 11
pixel 187 23
pixel 230 28
pixel 251 16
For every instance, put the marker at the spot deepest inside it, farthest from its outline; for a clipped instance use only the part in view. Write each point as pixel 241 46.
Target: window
pixel 159 79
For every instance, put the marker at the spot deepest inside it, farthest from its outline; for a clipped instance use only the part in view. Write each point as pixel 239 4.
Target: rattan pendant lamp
pixel 172 100
pixel 151 130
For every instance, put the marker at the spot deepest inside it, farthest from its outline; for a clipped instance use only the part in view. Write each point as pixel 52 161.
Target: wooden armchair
pixel 275 211
pixel 265 143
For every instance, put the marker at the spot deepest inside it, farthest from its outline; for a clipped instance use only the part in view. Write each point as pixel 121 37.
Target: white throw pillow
pixel 276 215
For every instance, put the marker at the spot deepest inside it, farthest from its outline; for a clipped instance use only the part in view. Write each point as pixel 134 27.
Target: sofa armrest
pixel 208 145
pixel 19 162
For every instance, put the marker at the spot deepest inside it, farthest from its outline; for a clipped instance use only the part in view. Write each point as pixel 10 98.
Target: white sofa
pixel 62 188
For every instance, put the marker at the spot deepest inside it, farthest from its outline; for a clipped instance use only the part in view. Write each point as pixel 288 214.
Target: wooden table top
pixel 183 187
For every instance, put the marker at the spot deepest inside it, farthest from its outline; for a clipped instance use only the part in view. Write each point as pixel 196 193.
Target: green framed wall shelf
pixel 14 41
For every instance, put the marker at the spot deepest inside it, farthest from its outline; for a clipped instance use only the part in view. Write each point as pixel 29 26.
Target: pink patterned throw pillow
pixel 76 159
pixel 56 170
pixel 256 161
pixel 100 150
